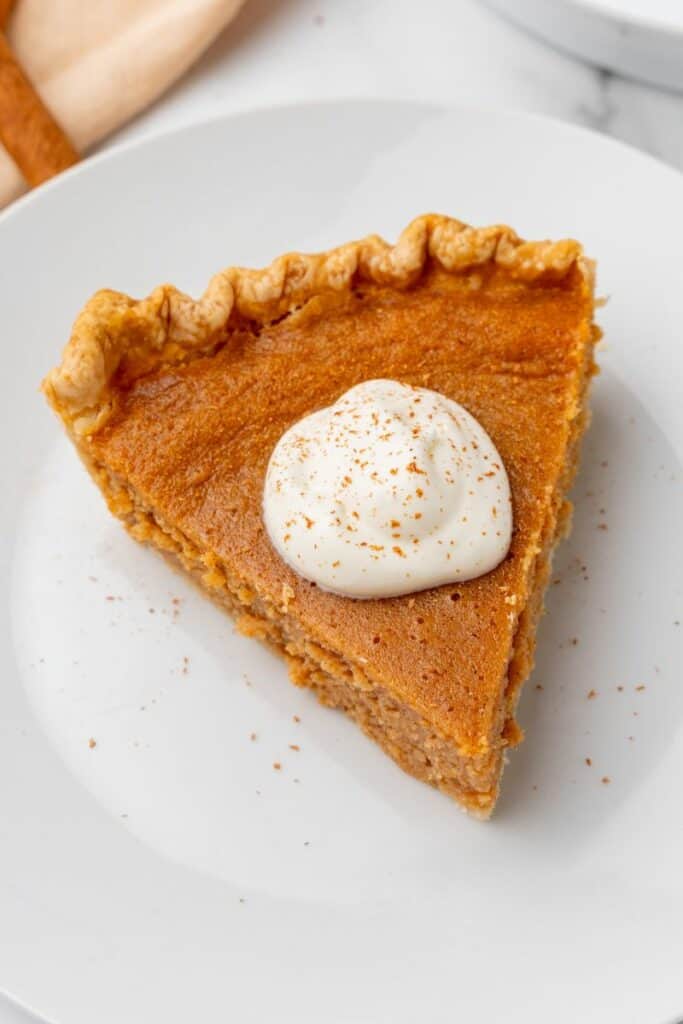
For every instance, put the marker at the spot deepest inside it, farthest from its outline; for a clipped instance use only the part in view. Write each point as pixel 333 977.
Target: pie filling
pixel 416 745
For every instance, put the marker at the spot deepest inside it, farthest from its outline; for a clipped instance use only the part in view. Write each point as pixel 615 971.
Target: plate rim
pixel 117 150
pixel 636 19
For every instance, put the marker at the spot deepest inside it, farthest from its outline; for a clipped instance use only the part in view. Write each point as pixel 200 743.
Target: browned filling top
pixel 194 440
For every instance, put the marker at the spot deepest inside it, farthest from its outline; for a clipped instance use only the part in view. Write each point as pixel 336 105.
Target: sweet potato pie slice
pixel 175 406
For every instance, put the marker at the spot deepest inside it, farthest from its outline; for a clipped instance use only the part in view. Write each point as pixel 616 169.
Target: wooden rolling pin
pixel 28 131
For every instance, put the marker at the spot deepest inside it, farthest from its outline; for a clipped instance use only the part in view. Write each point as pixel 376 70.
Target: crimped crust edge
pixel 169 326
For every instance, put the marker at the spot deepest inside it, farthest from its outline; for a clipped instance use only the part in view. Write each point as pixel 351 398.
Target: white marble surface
pixel 453 51
pixel 288 51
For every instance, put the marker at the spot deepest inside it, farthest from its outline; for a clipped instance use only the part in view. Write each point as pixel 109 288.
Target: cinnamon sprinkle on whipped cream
pixel 392 489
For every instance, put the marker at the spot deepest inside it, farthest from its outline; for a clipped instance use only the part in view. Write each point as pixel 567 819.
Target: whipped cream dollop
pixel 390 490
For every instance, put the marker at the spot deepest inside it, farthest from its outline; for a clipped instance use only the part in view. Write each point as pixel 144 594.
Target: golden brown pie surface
pixel 179 432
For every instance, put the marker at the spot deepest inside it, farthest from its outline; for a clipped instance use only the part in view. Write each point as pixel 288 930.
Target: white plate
pixel 367 896
pixel 638 38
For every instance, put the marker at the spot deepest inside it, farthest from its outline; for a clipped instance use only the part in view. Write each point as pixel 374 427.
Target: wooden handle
pixel 5 8
pixel 28 130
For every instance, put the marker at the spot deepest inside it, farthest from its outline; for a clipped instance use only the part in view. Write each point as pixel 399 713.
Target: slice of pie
pixel 175 407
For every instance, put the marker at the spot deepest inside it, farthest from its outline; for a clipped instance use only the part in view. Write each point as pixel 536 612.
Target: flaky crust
pixel 115 331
